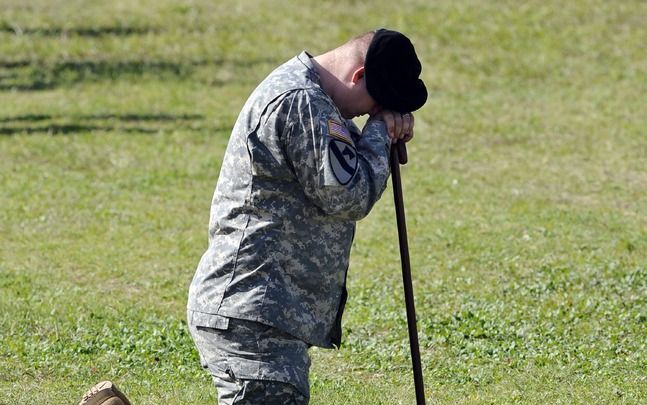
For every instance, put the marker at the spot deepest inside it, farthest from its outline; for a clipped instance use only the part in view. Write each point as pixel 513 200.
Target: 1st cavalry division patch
pixel 342 154
pixel 343 160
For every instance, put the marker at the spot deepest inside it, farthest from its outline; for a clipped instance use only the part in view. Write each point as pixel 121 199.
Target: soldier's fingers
pixel 407 124
pixel 397 132
pixel 407 137
pixel 389 121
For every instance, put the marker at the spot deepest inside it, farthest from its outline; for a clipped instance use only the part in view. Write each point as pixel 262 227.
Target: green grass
pixel 525 194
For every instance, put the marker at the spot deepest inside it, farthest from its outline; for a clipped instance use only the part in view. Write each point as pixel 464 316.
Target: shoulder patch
pixel 343 160
pixel 338 131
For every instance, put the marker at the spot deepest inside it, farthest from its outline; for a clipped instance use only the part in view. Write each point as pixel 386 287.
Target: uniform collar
pixel 306 59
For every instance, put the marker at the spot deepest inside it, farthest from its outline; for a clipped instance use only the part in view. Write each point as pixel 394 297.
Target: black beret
pixel 392 72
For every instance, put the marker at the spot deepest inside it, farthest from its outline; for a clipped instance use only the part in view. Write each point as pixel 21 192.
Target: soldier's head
pixel 375 70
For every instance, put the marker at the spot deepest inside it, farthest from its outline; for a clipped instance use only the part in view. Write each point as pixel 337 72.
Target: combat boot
pixel 104 393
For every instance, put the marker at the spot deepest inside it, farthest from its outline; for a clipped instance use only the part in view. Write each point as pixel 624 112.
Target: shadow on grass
pixel 43 76
pixel 143 117
pixel 34 124
pixel 114 30
pixel 120 117
pixel 35 86
pixel 70 129
pixel 28 117
pixel 13 64
pixel 32 75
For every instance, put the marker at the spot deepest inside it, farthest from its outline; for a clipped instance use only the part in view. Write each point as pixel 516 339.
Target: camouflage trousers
pixel 251 363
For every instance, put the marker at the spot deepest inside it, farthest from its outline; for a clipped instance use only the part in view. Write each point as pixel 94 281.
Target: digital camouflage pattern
pixel 295 178
pixel 253 363
pixel 253 392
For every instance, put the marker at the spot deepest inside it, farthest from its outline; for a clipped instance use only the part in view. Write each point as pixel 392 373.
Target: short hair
pixel 357 46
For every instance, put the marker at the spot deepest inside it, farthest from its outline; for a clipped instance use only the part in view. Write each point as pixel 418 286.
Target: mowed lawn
pixel 525 193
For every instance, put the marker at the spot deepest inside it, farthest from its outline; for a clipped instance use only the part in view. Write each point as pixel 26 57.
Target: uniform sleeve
pixel 341 173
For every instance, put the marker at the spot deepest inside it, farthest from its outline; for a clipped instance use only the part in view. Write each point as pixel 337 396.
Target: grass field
pixel 526 197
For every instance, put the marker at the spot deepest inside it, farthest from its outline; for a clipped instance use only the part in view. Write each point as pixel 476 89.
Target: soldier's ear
pixel 358 74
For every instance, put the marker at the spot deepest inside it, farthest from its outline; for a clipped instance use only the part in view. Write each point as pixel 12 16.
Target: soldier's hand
pixel 399 126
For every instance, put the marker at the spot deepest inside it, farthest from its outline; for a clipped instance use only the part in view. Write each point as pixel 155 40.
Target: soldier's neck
pixel 330 73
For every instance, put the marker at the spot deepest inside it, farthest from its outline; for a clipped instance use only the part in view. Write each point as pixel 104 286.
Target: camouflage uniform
pixel 270 366
pixel 295 178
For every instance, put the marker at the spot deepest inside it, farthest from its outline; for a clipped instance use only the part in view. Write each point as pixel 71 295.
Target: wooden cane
pixel 399 156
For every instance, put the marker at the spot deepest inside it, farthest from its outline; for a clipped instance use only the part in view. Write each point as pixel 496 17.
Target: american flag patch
pixel 338 131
